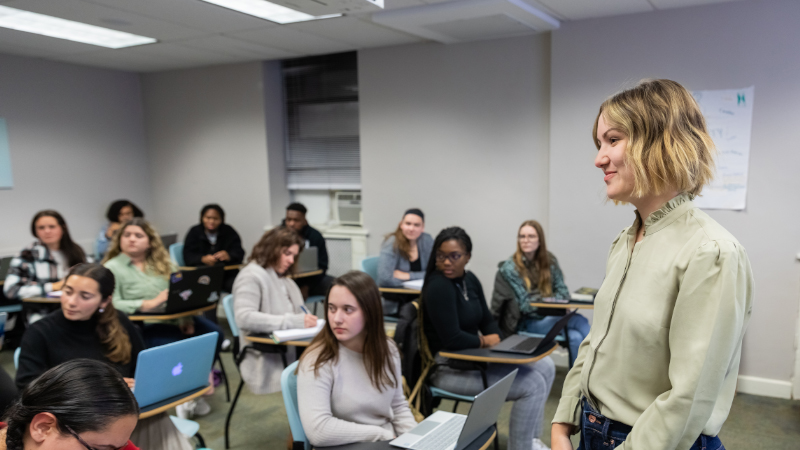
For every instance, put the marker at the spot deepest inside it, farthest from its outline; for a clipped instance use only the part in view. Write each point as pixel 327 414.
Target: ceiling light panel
pixel 268 11
pixel 30 22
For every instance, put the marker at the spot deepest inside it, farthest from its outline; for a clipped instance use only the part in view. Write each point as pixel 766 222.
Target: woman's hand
pixel 559 436
pixel 400 275
pixel 208 260
pixel 490 340
pixel 222 255
pixel 130 382
pixel 154 303
pixel 309 321
pixel 112 228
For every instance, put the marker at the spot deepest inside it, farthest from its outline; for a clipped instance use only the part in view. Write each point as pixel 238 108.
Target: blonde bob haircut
pixel 668 145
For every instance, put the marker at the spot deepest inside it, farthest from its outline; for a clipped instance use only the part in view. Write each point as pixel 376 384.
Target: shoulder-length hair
pixel 377 354
pixel 541 262
pixel 72 251
pixel 157 258
pixel 267 250
pixel 216 208
pixel 668 144
pixel 111 333
pixel 112 214
pixel 401 243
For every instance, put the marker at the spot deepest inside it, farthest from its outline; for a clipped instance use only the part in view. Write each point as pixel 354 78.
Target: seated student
pixel 405 253
pixel 80 404
pixel 88 326
pixel 531 274
pixel 118 213
pixel 296 220
pixel 41 268
pixel 142 267
pixel 349 383
pixel 456 317
pixel 213 242
pixel 266 300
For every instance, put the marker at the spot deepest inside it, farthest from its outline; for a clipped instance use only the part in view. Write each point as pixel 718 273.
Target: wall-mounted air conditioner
pixel 347 208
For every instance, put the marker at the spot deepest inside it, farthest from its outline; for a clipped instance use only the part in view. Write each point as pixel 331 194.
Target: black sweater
pixel 54 340
pixel 450 322
pixel 196 245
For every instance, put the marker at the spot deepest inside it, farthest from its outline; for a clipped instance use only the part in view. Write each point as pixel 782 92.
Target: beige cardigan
pixel 261 306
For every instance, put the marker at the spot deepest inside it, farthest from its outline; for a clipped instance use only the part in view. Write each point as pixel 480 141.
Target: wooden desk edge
pixel 306 274
pixel 499 360
pixel 564 305
pixel 193 312
pixel 267 340
pixel 52 300
pixel 490 440
pixel 161 409
pixel 400 291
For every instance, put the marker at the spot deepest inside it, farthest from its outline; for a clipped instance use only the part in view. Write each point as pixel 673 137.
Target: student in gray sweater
pixel 349 385
pixel 405 253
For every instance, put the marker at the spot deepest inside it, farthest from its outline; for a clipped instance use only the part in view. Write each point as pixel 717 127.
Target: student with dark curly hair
pixel 118 213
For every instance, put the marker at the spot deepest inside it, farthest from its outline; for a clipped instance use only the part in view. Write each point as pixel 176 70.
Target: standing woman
pixel 265 299
pixel 41 268
pixel 405 253
pixel 213 242
pixel 456 317
pixel 349 384
pixel 531 274
pixel 662 358
pixel 118 213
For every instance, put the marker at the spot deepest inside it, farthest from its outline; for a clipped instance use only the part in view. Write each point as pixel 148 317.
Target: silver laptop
pixel 527 345
pixel 307 262
pixel 443 430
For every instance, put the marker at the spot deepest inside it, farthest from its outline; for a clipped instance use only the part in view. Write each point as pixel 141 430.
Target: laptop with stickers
pixel 191 289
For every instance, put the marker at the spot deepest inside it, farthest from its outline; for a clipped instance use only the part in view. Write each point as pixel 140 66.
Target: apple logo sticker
pixel 177 370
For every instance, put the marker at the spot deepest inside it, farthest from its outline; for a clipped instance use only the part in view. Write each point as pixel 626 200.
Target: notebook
pixel 294 334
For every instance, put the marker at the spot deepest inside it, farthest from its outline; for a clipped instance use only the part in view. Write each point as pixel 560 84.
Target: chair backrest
pixel 176 253
pixel 289 391
pixel 5 263
pixel 227 305
pixel 16 357
pixel 370 267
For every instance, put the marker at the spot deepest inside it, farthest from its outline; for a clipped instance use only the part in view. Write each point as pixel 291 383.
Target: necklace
pixel 463 290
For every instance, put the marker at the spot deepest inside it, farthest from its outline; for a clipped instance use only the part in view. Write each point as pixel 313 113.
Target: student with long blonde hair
pixel 659 368
pixel 405 253
pixel 530 274
pixel 349 384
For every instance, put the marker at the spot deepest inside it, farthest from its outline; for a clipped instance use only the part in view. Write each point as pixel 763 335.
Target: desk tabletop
pixel 42 300
pixel 489 356
pixel 171 402
pixel 266 339
pixel 193 312
pixel 482 442
pixel 570 305
pixel 231 267
pixel 400 291
pixel 306 274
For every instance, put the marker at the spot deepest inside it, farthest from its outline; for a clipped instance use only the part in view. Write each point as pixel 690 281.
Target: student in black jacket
pixel 296 220
pixel 213 242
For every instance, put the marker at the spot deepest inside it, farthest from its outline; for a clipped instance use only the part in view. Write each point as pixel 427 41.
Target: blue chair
pixel 370 267
pixel 315 300
pixel 11 308
pixel 176 254
pixel 289 391
pixel 16 357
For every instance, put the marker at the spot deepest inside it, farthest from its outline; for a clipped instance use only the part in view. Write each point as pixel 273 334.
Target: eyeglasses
pixel 453 257
pixel 88 447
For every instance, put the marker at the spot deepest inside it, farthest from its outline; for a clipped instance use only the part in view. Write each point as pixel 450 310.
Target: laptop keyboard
pixel 442 437
pixel 526 345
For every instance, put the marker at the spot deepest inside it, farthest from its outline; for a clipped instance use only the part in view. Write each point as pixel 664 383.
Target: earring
pixel 101 310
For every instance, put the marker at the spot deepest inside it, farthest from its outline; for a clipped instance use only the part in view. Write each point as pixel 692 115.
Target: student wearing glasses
pixel 529 275
pixel 456 317
pixel 82 404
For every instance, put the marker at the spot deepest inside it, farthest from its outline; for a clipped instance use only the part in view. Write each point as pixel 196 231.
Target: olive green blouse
pixel 664 349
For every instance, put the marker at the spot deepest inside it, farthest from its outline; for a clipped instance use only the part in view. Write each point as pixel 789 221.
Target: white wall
pixel 715 47
pixel 460 131
pixel 77 143
pixel 206 134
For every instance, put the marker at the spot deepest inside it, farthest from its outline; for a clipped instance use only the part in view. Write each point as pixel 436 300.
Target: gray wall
pixel 77 143
pixel 460 131
pixel 716 47
pixel 206 134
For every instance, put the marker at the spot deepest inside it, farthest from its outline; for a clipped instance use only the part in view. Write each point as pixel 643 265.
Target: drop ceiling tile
pixel 586 9
pixel 292 40
pixel 396 4
pixel 236 48
pixel 666 4
pixel 191 13
pixel 104 16
pixel 356 32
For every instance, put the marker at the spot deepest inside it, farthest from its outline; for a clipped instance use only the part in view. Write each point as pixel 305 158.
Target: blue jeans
pixel 164 333
pixel 577 330
pixel 600 433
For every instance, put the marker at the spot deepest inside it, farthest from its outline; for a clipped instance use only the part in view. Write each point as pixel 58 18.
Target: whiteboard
pixel 729 119
pixel 6 182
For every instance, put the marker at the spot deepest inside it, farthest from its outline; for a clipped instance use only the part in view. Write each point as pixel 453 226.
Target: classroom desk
pixel 193 312
pixel 231 267
pixel 569 305
pixel 266 339
pixel 486 355
pixel 158 408
pixel 312 273
pixel 400 291
pixel 51 300
pixel 482 442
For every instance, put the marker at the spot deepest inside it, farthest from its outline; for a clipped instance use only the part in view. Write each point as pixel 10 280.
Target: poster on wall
pixel 729 118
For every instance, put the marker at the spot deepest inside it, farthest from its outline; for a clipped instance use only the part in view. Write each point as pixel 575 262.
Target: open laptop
pixel 191 289
pixel 5 263
pixel 174 369
pixel 307 261
pixel 443 430
pixel 531 345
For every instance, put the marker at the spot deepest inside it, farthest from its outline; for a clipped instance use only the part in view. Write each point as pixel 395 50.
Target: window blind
pixel 322 150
